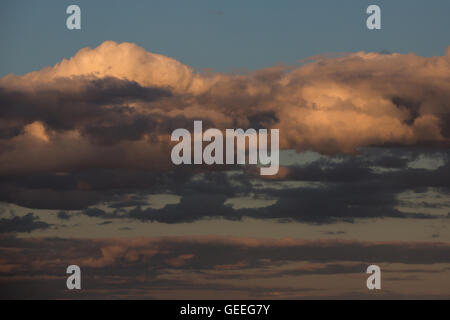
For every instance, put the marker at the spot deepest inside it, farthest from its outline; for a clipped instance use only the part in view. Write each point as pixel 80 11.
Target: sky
pixel 86 176
pixel 219 35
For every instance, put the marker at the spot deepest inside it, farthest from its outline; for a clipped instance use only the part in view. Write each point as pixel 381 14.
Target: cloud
pixel 355 187
pixel 118 99
pixel 110 59
pixel 209 252
pixel 27 223
pixel 63 215
pixel 330 191
pixel 171 267
pixel 95 129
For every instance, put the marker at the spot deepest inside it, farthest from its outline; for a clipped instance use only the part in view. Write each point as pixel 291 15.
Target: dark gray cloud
pixel 77 102
pixel 63 215
pixel 26 223
pixel 349 188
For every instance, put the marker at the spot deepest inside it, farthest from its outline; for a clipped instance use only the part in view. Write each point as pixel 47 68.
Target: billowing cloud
pixel 117 104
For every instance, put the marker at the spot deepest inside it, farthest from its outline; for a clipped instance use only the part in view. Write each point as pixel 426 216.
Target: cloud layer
pixel 217 267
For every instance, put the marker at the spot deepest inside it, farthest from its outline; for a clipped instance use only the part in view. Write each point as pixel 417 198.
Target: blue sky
pixel 221 35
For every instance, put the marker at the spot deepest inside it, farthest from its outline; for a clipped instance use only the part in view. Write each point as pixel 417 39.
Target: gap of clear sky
pixel 220 35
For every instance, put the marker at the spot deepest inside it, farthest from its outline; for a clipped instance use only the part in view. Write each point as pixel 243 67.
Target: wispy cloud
pixel 167 267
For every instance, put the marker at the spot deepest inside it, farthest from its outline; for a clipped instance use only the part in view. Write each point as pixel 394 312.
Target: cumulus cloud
pixel 116 105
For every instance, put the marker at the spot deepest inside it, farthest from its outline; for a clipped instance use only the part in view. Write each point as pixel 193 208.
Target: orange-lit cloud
pixel 172 267
pixel 115 106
